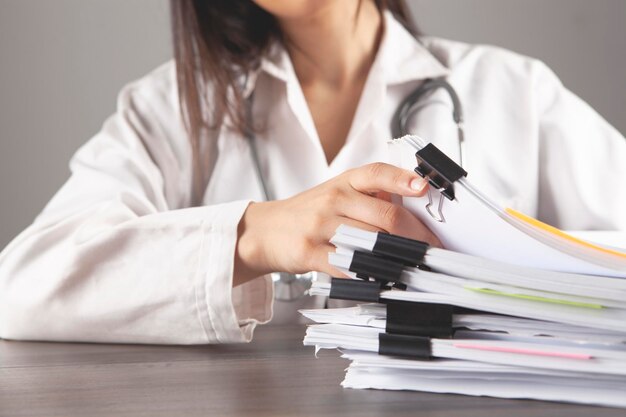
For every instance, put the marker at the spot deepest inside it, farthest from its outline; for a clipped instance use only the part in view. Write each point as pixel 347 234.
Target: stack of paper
pixel 513 308
pixel 489 355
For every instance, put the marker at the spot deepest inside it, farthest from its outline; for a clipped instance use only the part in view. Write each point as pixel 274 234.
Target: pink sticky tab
pixel 522 351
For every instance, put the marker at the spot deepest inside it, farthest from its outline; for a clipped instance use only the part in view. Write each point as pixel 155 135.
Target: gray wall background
pixel 62 63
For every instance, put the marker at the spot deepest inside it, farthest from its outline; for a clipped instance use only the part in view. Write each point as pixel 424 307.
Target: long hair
pixel 216 43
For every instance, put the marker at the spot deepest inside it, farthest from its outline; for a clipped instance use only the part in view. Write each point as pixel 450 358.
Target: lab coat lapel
pixel 278 64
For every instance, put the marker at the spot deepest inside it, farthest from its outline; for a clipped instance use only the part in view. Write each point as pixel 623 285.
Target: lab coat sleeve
pixel 113 259
pixel 582 160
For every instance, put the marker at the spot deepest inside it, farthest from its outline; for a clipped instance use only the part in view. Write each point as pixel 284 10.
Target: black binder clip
pixel 415 347
pixel 441 172
pixel 411 326
pixel 420 319
pixel 376 273
pixel 407 251
pixel 369 265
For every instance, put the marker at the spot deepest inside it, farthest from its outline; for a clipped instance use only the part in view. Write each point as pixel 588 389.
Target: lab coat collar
pixel 401 57
pixel 276 63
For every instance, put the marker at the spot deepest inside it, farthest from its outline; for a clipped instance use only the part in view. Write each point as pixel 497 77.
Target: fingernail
pixel 417 184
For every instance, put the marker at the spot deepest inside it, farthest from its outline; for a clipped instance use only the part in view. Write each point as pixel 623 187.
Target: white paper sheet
pixel 483 326
pixel 610 319
pixel 541 387
pixel 502 352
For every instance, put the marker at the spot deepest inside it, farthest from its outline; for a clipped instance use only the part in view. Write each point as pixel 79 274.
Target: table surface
pixel 272 376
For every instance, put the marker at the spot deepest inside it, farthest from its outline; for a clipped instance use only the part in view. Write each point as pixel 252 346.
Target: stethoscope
pixel 290 287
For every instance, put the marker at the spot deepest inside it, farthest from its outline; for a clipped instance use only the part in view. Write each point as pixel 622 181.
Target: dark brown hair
pixel 218 42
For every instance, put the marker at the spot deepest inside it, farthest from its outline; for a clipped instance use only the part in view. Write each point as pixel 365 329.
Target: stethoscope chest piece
pixel 290 287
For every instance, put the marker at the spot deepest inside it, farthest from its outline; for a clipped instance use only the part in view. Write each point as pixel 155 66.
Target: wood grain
pixel 272 376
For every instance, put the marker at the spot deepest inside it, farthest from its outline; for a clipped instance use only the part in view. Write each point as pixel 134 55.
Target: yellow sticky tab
pixel 553 230
pixel 491 291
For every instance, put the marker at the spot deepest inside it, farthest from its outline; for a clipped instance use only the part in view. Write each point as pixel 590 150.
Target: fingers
pixel 386 216
pixel 321 261
pixel 358 198
pixel 329 229
pixel 383 195
pixel 377 177
pixel 407 225
pixel 371 214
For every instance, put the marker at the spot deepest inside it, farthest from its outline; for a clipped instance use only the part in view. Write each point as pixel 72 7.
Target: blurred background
pixel 62 63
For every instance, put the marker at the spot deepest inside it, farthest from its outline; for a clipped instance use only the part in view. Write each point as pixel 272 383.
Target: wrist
pixel 250 259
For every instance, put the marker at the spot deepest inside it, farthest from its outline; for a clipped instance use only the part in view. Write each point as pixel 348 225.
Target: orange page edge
pixel 553 230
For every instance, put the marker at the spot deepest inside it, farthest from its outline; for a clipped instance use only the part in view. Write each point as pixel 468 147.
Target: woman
pixel 161 236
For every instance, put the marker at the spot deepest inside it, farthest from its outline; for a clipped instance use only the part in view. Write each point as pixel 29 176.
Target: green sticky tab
pixel 534 298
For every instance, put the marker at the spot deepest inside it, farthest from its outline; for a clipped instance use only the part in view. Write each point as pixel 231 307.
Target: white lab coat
pixel 119 254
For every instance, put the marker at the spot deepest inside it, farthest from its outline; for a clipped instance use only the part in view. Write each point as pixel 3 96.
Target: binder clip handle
pixel 439 216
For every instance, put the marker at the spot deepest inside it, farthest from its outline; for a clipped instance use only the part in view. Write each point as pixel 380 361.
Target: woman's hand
pixel 292 235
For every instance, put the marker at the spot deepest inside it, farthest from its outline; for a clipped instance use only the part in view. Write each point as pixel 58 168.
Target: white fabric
pixel 119 256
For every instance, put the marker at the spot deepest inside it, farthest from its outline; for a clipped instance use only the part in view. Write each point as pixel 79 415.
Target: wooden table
pixel 273 376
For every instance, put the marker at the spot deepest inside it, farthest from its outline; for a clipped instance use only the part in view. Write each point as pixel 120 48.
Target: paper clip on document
pixel 441 173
